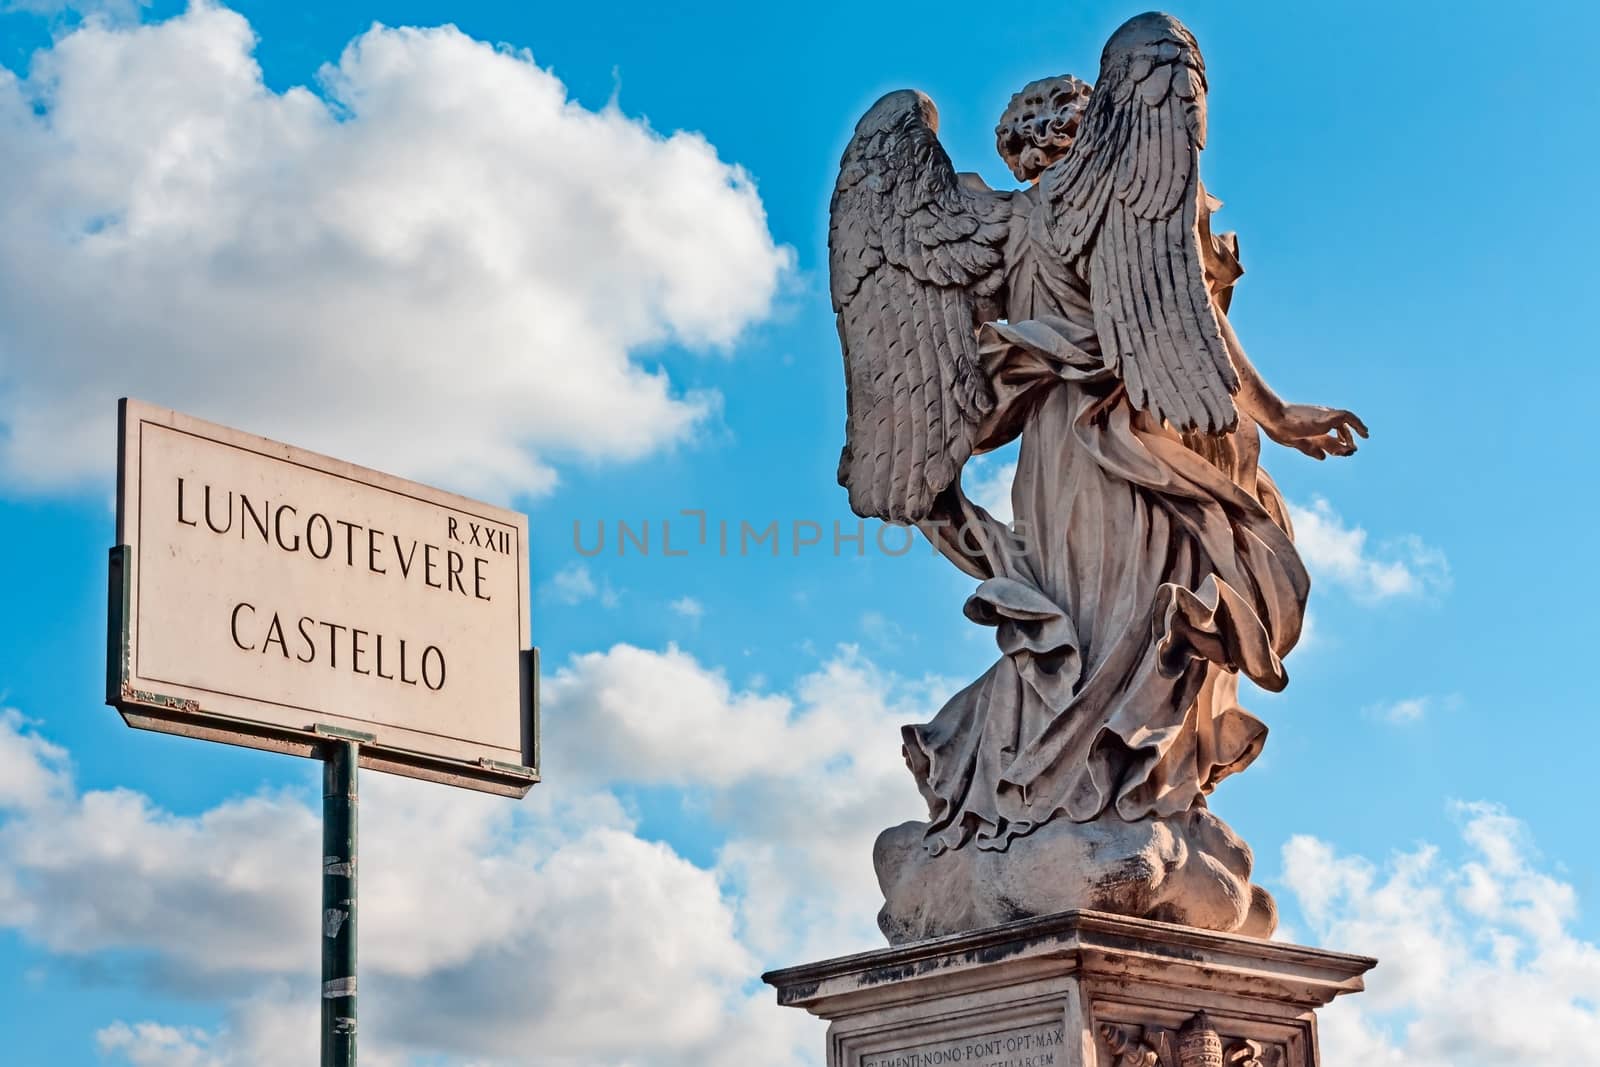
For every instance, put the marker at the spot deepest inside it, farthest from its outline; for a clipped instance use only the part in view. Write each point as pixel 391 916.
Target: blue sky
pixel 420 257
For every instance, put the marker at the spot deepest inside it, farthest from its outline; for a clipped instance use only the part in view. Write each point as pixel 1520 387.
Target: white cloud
pixel 989 486
pixel 440 265
pixel 549 932
pixel 154 1045
pixel 630 714
pixel 689 608
pixel 460 891
pixel 1340 554
pixel 804 825
pixel 276 1025
pixel 1479 963
pixel 477 914
pixel 575 583
pixel 1412 709
pixel 106 870
pixel 1404 711
pixel 572 584
pixel 31 769
pixel 662 718
pixel 800 783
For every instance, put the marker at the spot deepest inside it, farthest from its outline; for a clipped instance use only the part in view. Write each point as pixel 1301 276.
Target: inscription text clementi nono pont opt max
pixel 268 596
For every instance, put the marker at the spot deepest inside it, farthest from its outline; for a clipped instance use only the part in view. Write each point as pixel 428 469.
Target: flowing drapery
pixel 1147 571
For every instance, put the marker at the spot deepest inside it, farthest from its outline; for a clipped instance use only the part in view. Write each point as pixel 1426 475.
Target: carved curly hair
pixel 1039 124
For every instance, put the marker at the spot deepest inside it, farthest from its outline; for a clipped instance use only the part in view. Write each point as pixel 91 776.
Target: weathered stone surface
pixel 1189 869
pixel 1151 562
pixel 1081 989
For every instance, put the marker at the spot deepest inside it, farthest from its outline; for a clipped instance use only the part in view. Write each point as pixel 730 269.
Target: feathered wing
pixel 913 254
pixel 1125 205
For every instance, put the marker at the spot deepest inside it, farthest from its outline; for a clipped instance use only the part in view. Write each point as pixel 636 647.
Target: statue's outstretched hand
pixel 1317 431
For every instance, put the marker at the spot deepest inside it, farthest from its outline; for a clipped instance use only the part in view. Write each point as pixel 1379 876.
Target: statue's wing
pixel 1125 204
pixel 913 252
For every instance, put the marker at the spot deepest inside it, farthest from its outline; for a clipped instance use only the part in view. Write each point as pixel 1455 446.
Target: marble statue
pixel 1151 561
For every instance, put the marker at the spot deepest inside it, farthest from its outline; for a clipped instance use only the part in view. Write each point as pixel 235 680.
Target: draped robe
pixel 1146 571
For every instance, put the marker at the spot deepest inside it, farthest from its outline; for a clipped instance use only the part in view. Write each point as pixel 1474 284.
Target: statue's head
pixel 1039 124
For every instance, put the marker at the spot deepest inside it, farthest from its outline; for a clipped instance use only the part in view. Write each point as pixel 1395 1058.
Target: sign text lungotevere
pixel 269 592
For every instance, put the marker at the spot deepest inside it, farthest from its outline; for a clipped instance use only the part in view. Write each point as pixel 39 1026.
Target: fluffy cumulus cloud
pixel 552 932
pixel 513 934
pixel 31 769
pixel 801 781
pixel 437 236
pixel 544 932
pixel 154 1045
pixel 1342 554
pixel 1480 964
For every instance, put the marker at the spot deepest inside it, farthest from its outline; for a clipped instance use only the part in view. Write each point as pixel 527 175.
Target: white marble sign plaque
pixel 263 594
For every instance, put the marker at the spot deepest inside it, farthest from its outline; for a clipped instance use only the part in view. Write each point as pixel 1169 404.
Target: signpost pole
pixel 339 802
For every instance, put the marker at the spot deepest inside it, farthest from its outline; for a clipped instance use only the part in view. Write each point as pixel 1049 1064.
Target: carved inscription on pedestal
pixel 1038 1045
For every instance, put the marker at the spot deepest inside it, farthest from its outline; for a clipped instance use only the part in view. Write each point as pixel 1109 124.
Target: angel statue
pixel 1150 562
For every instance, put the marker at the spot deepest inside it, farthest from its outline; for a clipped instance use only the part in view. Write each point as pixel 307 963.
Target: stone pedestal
pixel 1079 989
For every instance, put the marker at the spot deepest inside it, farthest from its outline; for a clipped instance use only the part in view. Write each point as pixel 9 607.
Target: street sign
pixel 266 596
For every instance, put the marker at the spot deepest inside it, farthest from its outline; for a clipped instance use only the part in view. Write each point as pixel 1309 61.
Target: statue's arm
pixel 1317 431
